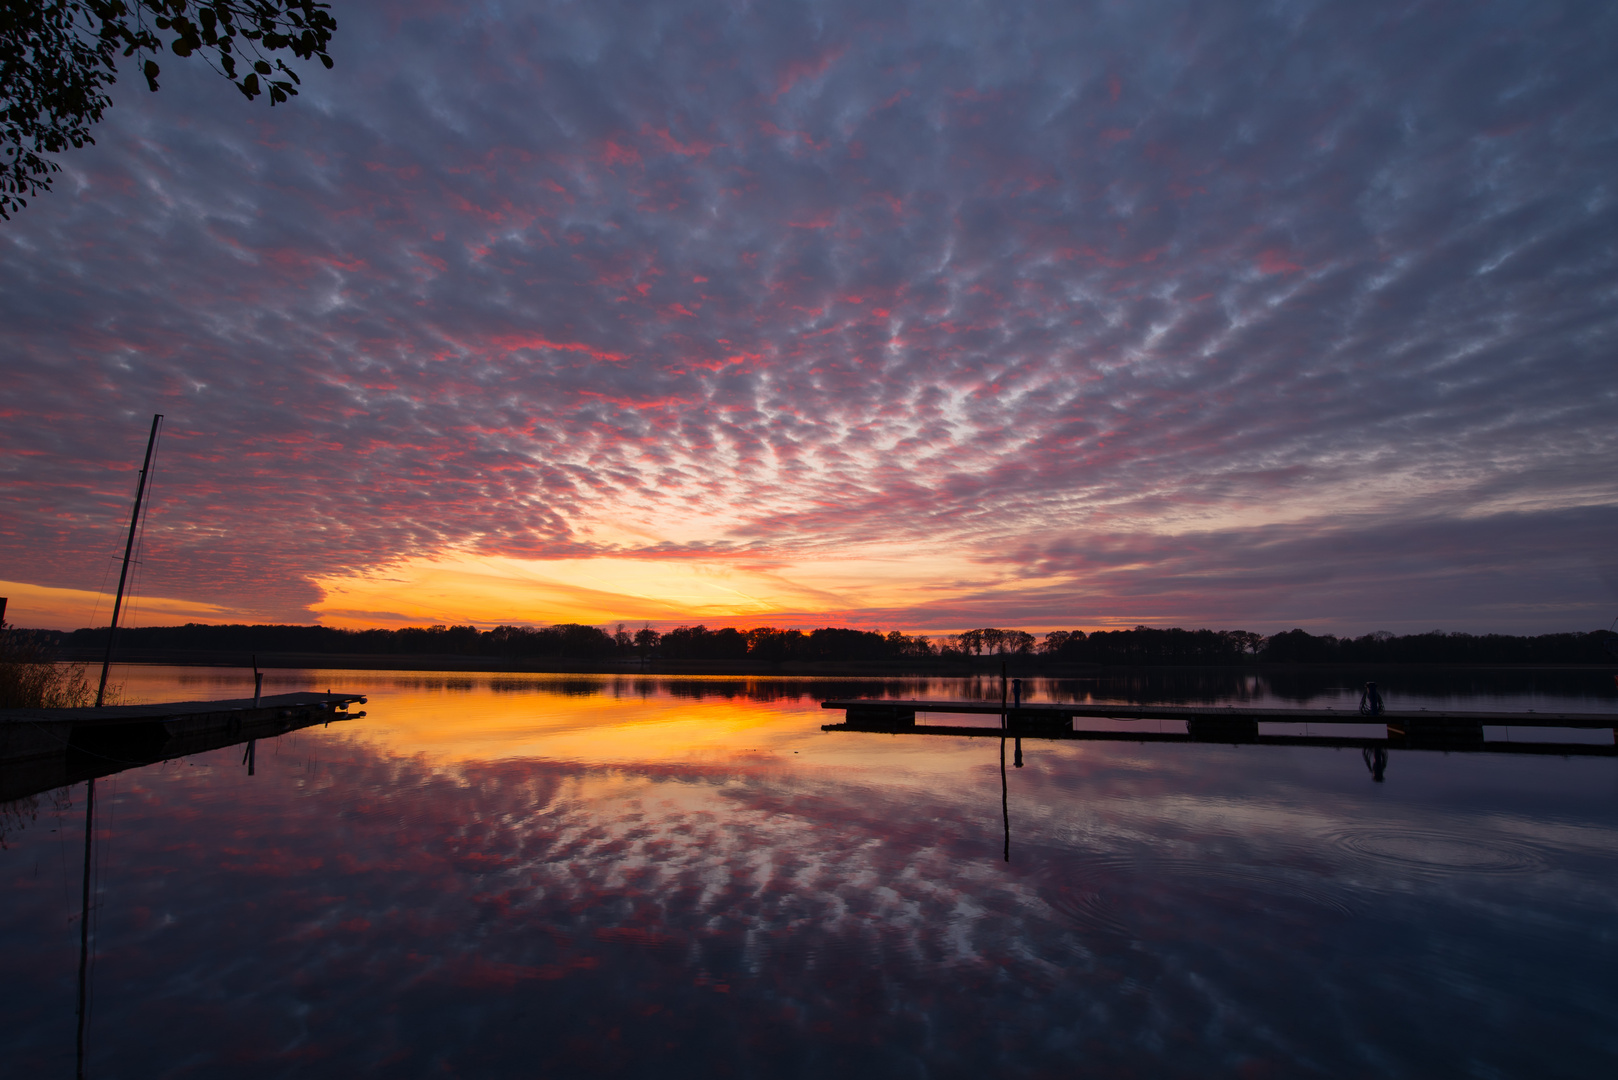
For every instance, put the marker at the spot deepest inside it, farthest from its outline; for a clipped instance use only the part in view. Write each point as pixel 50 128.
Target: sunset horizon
pixel 1100 319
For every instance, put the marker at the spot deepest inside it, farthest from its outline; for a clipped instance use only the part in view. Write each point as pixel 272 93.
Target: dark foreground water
pixel 548 876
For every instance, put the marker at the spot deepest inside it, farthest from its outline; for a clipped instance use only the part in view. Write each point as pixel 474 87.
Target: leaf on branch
pixel 58 57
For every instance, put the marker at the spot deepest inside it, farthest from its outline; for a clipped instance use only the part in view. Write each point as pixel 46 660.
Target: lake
pixel 527 875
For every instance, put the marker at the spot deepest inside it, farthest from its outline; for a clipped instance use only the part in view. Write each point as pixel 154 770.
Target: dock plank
pixel 1398 717
pixel 174 710
pixel 1561 749
pixel 42 749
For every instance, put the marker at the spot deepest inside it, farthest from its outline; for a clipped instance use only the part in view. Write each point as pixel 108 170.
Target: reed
pixel 30 677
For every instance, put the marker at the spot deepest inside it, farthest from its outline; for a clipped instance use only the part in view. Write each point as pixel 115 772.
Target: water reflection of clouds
pixel 372 900
pixel 587 896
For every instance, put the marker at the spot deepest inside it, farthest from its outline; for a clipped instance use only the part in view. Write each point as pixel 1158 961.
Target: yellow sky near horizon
pixel 43 607
pixel 486 590
pixel 461 588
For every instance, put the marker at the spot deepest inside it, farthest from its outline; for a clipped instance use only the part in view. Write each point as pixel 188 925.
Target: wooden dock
pixel 42 749
pixel 1408 729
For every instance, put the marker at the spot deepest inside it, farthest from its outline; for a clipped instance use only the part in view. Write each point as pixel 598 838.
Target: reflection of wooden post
pixel 251 757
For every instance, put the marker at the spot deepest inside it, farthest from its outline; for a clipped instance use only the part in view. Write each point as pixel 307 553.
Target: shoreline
pixel 1017 666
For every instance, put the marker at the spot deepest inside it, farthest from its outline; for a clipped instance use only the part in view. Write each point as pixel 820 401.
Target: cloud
pixel 642 281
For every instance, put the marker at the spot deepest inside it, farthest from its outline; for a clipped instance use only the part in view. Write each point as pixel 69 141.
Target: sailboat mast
pixel 129 550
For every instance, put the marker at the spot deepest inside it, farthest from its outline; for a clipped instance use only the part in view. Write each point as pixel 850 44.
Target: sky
pixel 916 316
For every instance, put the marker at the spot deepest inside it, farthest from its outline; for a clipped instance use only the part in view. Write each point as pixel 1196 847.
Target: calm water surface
pixel 568 876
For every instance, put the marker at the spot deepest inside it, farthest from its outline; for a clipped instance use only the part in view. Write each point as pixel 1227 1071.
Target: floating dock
pixel 1407 729
pixel 41 749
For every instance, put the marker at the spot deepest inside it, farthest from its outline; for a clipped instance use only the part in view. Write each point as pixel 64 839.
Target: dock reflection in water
pixel 636 877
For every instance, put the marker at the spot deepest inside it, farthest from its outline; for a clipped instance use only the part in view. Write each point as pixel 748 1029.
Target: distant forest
pixel 1140 646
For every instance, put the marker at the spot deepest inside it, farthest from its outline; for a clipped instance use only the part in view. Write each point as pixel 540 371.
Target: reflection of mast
pixel 129 548
pixel 1005 796
pixel 84 921
pixel 1005 799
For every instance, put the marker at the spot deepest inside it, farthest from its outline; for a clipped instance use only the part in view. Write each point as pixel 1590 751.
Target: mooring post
pixel 1003 724
pixel 258 681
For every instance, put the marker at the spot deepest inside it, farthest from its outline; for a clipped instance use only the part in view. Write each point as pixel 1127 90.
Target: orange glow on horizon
pixel 42 607
pixel 487 591
pixel 871 588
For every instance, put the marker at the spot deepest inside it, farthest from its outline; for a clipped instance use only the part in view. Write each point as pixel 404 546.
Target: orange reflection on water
pixel 480 723
pixel 453 718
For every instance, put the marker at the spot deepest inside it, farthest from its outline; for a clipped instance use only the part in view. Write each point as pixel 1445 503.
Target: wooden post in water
pixel 129 549
pixel 1003 694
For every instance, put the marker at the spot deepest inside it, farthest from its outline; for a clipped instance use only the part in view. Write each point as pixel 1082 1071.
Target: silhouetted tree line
pixel 770 644
pixel 1149 645
pixel 1437 647
pixel 568 640
pixel 1141 646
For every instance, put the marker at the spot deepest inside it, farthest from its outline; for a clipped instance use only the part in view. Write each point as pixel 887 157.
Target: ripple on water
pixel 1115 885
pixel 1280 882
pixel 1435 852
pixel 1088 908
